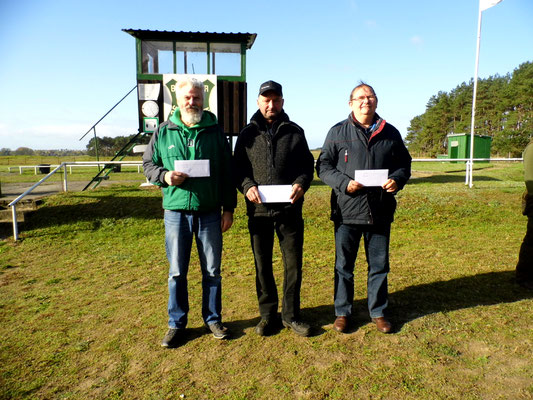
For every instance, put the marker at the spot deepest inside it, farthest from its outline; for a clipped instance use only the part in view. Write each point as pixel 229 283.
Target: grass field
pixel 83 303
pixel 9 172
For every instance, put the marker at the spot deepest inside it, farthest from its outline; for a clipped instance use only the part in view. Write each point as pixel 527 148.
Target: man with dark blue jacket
pixel 363 141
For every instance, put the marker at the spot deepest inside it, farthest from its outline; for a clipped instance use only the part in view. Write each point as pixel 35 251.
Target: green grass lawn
pixel 83 303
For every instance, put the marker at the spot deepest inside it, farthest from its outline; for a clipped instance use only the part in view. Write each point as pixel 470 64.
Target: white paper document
pixel 193 168
pixel 275 193
pixel 371 177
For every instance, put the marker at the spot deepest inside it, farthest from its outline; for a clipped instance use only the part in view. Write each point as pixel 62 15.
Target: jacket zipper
pixel 370 217
pixel 270 144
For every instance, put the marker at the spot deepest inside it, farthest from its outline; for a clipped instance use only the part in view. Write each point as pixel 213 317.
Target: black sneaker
pixel 219 331
pixel 299 327
pixel 266 327
pixel 172 337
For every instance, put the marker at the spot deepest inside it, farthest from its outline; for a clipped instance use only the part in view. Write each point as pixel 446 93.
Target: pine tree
pixel 504 111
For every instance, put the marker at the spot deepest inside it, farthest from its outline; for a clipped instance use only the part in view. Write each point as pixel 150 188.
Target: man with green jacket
pixel 198 205
pixel 524 268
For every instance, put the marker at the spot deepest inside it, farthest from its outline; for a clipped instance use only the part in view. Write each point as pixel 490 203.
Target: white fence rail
pixel 37 168
pixel 465 159
pixel 63 166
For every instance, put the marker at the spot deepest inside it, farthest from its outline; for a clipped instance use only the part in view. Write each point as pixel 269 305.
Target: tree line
pixel 504 111
pixel 108 146
pixel 26 151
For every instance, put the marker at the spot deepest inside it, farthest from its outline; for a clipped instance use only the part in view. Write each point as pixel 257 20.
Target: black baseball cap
pixel 270 86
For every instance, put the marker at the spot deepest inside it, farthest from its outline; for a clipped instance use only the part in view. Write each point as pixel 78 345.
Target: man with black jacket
pixel 363 141
pixel 272 150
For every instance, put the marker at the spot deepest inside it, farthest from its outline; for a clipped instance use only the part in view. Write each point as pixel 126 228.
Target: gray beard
pixel 191 117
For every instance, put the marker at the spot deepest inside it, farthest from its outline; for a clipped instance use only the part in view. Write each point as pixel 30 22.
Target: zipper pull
pixel 345 156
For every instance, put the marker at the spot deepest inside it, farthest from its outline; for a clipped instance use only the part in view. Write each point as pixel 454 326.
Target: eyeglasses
pixel 360 99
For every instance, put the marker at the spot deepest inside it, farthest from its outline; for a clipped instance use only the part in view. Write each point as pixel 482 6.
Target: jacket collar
pixel 260 121
pixel 377 125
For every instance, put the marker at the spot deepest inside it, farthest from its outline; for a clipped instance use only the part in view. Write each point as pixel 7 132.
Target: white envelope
pixel 193 168
pixel 275 193
pixel 371 177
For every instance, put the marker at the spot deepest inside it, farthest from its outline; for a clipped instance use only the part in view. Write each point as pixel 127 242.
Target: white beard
pixel 191 116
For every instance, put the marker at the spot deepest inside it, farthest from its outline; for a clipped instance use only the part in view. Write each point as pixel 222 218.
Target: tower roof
pixel 247 38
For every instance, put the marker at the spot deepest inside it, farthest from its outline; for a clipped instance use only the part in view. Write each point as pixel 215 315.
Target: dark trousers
pixel 524 268
pixel 290 232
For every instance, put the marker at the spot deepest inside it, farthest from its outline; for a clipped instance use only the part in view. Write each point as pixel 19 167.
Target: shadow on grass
pixel 236 329
pixel 478 290
pixel 6 230
pixel 417 301
pixel 111 206
pixel 447 179
pixel 408 304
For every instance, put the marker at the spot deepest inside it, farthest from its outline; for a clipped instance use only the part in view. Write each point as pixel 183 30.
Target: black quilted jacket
pixel 282 158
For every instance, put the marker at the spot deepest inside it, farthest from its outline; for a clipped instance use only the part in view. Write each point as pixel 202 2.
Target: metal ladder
pixel 103 174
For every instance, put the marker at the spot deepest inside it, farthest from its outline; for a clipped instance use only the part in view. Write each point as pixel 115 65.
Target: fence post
pixel 65 187
pixel 15 225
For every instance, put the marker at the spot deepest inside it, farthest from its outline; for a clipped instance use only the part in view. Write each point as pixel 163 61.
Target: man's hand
pixel 390 186
pixel 226 220
pixel 175 178
pixel 353 186
pixel 297 192
pixel 253 195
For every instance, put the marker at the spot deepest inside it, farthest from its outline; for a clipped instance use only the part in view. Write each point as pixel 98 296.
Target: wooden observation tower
pixel 217 59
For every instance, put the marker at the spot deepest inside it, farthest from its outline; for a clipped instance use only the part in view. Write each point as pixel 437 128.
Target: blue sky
pixel 66 62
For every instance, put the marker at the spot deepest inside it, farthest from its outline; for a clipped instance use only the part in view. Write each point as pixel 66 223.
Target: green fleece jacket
pixel 205 141
pixel 528 168
pixel 527 201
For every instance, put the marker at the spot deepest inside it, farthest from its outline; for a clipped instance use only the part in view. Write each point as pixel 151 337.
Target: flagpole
pixel 470 164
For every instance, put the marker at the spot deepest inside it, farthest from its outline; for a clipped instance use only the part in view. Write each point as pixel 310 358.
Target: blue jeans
pixel 376 240
pixel 180 227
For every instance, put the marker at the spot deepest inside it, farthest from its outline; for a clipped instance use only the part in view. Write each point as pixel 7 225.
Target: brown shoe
pixel 382 324
pixel 340 324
